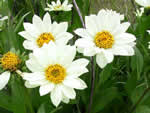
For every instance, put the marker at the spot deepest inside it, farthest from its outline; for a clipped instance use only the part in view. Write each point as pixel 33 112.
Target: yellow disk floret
pixel 10 61
pixel 44 38
pixel 104 40
pixel 55 73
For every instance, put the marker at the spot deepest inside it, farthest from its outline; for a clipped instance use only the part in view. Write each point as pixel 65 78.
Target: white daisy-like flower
pixel 58 6
pixel 41 32
pixel 54 70
pixel 105 36
pixel 3 18
pixel 144 3
pixel 9 62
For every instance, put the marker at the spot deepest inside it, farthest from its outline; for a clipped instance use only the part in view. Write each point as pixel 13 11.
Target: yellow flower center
pixel 57 7
pixel 10 61
pixel 104 39
pixel 55 73
pixel 45 38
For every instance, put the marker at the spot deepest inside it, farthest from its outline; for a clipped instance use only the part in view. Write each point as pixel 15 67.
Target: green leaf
pixel 143 109
pixel 131 83
pixel 137 62
pixel 103 98
pixel 20 99
pixel 20 22
pixel 106 73
pixel 5 101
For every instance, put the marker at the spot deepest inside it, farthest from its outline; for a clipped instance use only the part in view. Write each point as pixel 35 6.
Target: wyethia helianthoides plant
pixel 57 57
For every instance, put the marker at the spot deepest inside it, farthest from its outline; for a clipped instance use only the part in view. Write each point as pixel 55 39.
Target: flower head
pixel 144 3
pixel 44 31
pixel 58 6
pixel 105 36
pixel 9 62
pixel 54 70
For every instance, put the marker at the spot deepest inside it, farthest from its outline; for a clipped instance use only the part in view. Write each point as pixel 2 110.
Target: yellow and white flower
pixel 58 6
pixel 9 62
pixel 41 32
pixel 105 36
pixel 144 3
pixel 54 70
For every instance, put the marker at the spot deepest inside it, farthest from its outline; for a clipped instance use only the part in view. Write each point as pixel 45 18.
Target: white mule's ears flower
pixel 105 36
pixel 44 31
pixel 144 3
pixel 54 70
pixel 58 6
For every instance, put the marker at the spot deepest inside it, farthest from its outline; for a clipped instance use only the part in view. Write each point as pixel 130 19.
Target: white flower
pixel 105 36
pixel 58 6
pixel 148 31
pixel 144 3
pixel 140 12
pixel 3 18
pixel 9 62
pixel 41 32
pixel 54 70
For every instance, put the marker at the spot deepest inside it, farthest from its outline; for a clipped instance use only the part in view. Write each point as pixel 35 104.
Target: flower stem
pixel 93 84
pixel 79 13
pixel 92 60
pixel 140 99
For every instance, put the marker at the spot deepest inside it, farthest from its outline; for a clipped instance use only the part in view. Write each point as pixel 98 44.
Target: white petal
pixel 66 58
pixel 68 92
pixel 56 95
pixel 33 76
pixel 76 71
pixel 26 35
pixel 45 89
pixel 28 85
pixel 38 23
pixel 30 45
pixel 121 28
pixel 89 51
pixel 31 29
pixel 76 83
pixel 42 56
pixel 63 38
pixel 59 28
pixel 84 43
pixel 123 50
pixel 83 33
pixel 65 99
pixel 109 56
pixel 80 62
pixel 101 60
pixel 4 78
pixel 47 22
pixel 91 24
pixel 33 64
pixel 124 38
pixel 148 31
